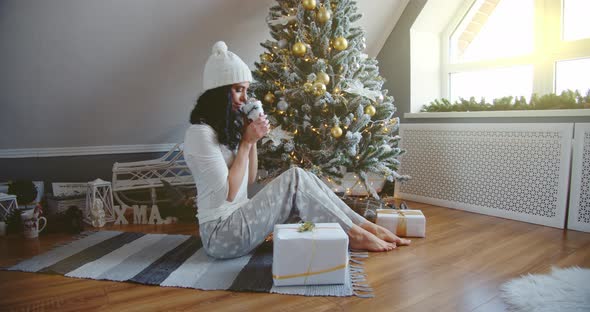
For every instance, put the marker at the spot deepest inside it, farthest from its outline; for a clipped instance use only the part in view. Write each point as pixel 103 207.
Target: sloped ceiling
pixel 125 72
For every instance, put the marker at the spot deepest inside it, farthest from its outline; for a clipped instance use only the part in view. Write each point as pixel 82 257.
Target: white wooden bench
pixel 148 175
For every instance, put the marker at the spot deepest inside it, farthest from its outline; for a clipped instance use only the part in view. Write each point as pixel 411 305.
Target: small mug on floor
pixel 31 224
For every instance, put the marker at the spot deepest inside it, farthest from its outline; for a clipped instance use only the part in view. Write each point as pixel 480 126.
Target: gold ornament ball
pixel 265 57
pixel 323 78
pixel 319 89
pixel 299 49
pixel 269 98
pixel 323 15
pixel 308 4
pixel 340 43
pixel 308 87
pixel 336 131
pixel 370 110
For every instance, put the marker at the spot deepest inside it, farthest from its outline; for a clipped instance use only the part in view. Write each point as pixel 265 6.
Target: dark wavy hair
pixel 214 108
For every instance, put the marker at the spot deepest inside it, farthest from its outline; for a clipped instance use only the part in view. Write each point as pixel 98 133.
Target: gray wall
pixel 394 58
pixel 78 73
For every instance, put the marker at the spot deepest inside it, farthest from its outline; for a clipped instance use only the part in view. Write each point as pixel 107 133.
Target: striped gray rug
pixel 176 261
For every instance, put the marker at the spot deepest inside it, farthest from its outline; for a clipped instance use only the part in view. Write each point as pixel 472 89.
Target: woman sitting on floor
pixel 220 150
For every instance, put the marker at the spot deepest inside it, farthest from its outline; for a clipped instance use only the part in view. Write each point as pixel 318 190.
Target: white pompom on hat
pixel 224 68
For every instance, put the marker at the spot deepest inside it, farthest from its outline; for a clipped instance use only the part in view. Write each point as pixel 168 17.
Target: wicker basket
pixel 365 206
pixel 61 204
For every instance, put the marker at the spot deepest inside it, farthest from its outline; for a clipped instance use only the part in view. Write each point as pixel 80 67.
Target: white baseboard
pixel 84 150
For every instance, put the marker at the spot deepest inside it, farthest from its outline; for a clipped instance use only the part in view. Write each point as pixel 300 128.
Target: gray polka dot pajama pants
pixel 294 195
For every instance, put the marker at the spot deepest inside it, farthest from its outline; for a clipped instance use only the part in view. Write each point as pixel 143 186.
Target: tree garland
pixel 568 99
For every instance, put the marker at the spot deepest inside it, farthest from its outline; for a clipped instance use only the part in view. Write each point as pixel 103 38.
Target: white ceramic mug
pixel 31 224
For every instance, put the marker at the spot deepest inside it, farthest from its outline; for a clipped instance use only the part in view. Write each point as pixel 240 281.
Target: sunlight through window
pixel 493 29
pixel 576 24
pixel 572 74
pixel 494 83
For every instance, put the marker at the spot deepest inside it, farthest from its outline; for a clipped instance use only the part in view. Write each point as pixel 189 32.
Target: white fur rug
pixel 562 290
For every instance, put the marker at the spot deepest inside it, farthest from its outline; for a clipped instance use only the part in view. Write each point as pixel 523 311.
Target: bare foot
pixel 384 233
pixel 364 240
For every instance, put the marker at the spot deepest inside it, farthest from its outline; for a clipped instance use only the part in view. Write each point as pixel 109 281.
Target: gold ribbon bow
pixel 402 223
pixel 306 226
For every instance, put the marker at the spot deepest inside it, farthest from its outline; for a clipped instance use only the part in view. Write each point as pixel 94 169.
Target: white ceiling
pixel 379 18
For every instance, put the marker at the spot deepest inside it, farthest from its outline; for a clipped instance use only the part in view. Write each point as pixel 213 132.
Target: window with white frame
pixel 497 48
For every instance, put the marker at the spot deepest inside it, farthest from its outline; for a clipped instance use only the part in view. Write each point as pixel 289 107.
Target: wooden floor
pixel 457 267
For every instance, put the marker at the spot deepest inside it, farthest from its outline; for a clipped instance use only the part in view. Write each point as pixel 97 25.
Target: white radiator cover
pixel 515 171
pixel 579 209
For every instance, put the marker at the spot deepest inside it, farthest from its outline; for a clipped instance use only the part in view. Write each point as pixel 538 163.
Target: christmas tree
pixel 323 95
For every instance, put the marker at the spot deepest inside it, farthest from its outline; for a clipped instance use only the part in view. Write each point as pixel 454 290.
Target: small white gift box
pixel 316 257
pixel 407 223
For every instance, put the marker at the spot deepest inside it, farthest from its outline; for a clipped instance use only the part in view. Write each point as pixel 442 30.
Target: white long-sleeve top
pixel 209 162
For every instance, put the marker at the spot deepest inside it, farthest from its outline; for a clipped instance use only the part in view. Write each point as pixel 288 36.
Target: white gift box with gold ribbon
pixel 406 222
pixel 316 257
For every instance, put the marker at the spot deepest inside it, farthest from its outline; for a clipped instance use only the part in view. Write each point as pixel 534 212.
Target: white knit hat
pixel 224 68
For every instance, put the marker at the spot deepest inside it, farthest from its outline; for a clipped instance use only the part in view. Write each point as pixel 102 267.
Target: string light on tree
pixel 265 57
